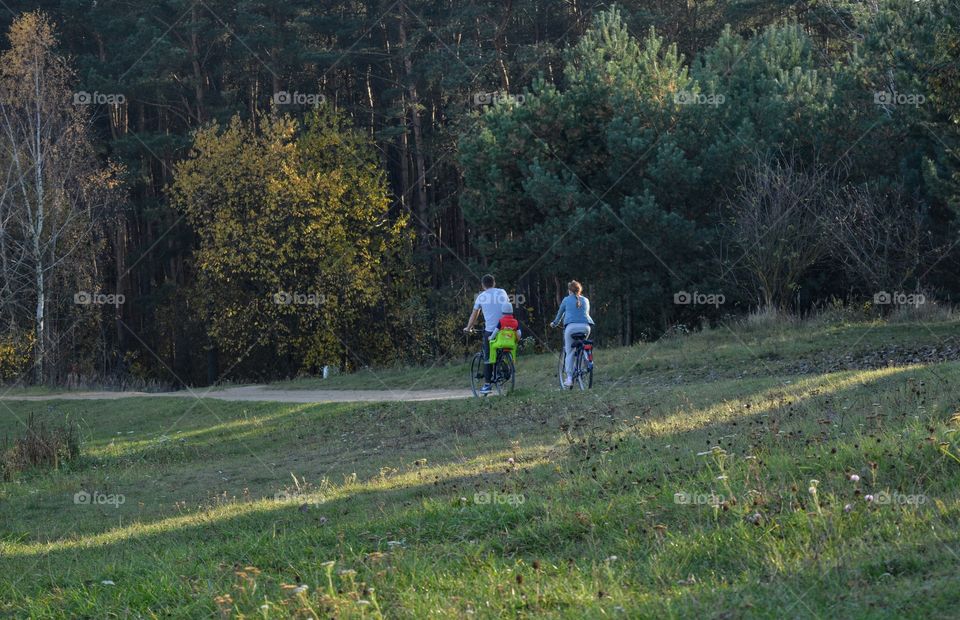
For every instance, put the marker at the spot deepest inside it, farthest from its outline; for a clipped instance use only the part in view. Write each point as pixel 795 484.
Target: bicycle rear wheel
pixel 579 367
pixel 506 373
pixel 476 373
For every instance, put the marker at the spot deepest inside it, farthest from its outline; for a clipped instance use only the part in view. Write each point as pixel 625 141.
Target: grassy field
pixel 803 472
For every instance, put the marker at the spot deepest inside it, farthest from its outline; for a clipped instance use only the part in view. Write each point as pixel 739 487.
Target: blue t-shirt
pixel 571 314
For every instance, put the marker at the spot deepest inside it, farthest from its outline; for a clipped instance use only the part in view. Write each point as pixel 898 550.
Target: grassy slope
pixel 720 352
pixel 390 491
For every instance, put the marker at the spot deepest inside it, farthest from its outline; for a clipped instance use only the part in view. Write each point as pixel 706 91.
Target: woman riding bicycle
pixel 575 312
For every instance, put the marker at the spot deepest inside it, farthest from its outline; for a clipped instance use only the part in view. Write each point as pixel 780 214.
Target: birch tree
pixel 53 187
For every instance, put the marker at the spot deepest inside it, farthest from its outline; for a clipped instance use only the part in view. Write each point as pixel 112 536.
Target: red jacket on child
pixel 508 322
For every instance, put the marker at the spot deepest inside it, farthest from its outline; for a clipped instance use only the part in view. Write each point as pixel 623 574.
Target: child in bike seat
pixel 506 335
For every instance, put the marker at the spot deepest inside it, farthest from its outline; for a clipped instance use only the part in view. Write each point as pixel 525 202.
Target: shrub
pixel 41 445
pixel 15 352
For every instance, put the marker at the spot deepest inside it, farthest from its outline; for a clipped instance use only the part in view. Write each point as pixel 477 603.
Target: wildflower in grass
pixel 869 498
pixel 813 493
pixel 854 478
pixel 847 508
pixel 510 460
pixel 331 592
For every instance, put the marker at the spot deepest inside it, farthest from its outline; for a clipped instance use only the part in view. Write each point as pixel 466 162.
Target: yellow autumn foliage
pixel 298 253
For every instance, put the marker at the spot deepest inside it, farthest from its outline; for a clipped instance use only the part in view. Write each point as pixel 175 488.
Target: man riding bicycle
pixel 575 313
pixel 490 303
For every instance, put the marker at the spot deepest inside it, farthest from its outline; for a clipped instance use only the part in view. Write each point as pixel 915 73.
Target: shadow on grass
pixel 243 515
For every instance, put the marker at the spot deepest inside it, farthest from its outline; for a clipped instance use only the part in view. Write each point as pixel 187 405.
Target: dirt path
pixel 260 393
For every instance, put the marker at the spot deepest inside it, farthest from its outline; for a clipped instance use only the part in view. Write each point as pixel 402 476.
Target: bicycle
pixel 503 377
pixel 582 363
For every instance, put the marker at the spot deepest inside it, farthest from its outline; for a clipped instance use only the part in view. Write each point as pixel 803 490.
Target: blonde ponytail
pixel 576 288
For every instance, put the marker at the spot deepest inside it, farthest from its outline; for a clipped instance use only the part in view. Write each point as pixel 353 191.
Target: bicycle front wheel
pixel 506 373
pixel 476 373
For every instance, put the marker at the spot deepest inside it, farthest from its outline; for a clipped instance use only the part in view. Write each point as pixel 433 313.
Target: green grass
pixel 725 351
pixel 677 488
pixel 32 390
